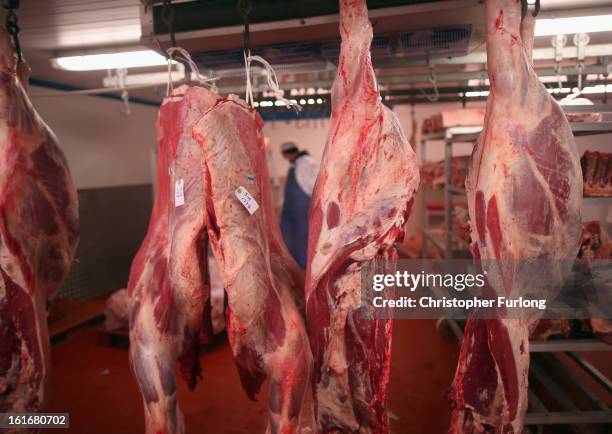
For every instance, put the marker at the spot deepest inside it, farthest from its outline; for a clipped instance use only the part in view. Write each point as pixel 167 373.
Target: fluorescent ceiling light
pixel 544 79
pixel 600 88
pixel 570 25
pixel 476 93
pixel 95 62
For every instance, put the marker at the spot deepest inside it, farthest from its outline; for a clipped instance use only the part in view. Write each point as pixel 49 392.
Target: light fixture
pixel 600 88
pixel 96 62
pixel 544 79
pixel 556 90
pixel 570 25
pixel 476 93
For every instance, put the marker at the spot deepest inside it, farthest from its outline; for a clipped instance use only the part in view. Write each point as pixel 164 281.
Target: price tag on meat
pixel 247 200
pixel 179 194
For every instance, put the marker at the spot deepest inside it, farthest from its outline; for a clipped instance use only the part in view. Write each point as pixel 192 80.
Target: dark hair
pixel 292 150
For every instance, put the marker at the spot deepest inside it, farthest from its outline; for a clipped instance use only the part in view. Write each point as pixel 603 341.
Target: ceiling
pixel 53 27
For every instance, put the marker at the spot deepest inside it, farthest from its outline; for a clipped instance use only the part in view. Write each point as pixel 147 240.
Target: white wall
pixel 308 134
pixel 103 146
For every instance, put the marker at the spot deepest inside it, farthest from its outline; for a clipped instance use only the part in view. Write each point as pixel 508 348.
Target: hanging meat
pixel 211 161
pixel 362 198
pixel 597 173
pixel 264 284
pixel 167 285
pixel 39 232
pixel 524 195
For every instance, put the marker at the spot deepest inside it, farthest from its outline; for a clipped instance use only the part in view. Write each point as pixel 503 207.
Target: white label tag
pixel 179 194
pixel 247 200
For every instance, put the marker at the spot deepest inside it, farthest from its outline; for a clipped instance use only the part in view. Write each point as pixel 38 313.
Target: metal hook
pixel 168 16
pixel 244 8
pixel 12 25
pixel 525 8
pixel 434 82
pixel 536 9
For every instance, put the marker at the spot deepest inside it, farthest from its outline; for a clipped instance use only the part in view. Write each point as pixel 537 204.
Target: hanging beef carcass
pixel 361 201
pixel 524 194
pixel 39 231
pixel 167 286
pixel 210 146
pixel 264 284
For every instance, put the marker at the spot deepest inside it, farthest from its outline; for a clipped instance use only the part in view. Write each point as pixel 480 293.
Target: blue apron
pixel 294 219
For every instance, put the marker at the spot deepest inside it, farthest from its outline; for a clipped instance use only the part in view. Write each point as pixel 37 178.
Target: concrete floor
pixel 93 383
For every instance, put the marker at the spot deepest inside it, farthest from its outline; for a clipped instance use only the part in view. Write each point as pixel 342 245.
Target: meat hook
pixel 12 26
pixel 244 8
pixel 525 6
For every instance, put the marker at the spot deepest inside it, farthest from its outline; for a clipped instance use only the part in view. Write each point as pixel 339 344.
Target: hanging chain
pixel 168 19
pixel 433 80
pixel 12 25
pixel 244 8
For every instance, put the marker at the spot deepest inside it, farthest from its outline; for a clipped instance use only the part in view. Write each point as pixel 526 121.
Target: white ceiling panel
pixel 71 24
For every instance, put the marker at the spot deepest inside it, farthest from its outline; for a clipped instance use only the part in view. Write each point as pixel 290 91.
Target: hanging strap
pixel 183 55
pixel 272 82
pixel 244 8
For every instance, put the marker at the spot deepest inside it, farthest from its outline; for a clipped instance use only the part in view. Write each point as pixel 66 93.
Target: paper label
pixel 179 194
pixel 246 199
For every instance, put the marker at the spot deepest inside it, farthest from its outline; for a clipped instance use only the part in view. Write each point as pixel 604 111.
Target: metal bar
pixel 466 138
pixel 595 108
pixel 435 237
pixel 535 403
pixel 480 57
pixel 424 217
pixel 456 329
pixel 592 371
pixel 457 190
pixel 396 80
pixel 568 418
pixel 597 198
pixel 563 345
pixel 559 394
pixel 448 198
pixel 461 75
pixel 585 128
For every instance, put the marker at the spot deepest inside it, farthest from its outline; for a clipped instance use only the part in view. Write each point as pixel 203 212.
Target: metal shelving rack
pixel 470 134
pixel 552 373
pixel 450 136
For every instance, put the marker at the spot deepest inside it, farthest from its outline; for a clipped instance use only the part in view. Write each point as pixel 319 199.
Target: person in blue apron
pixel 298 189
